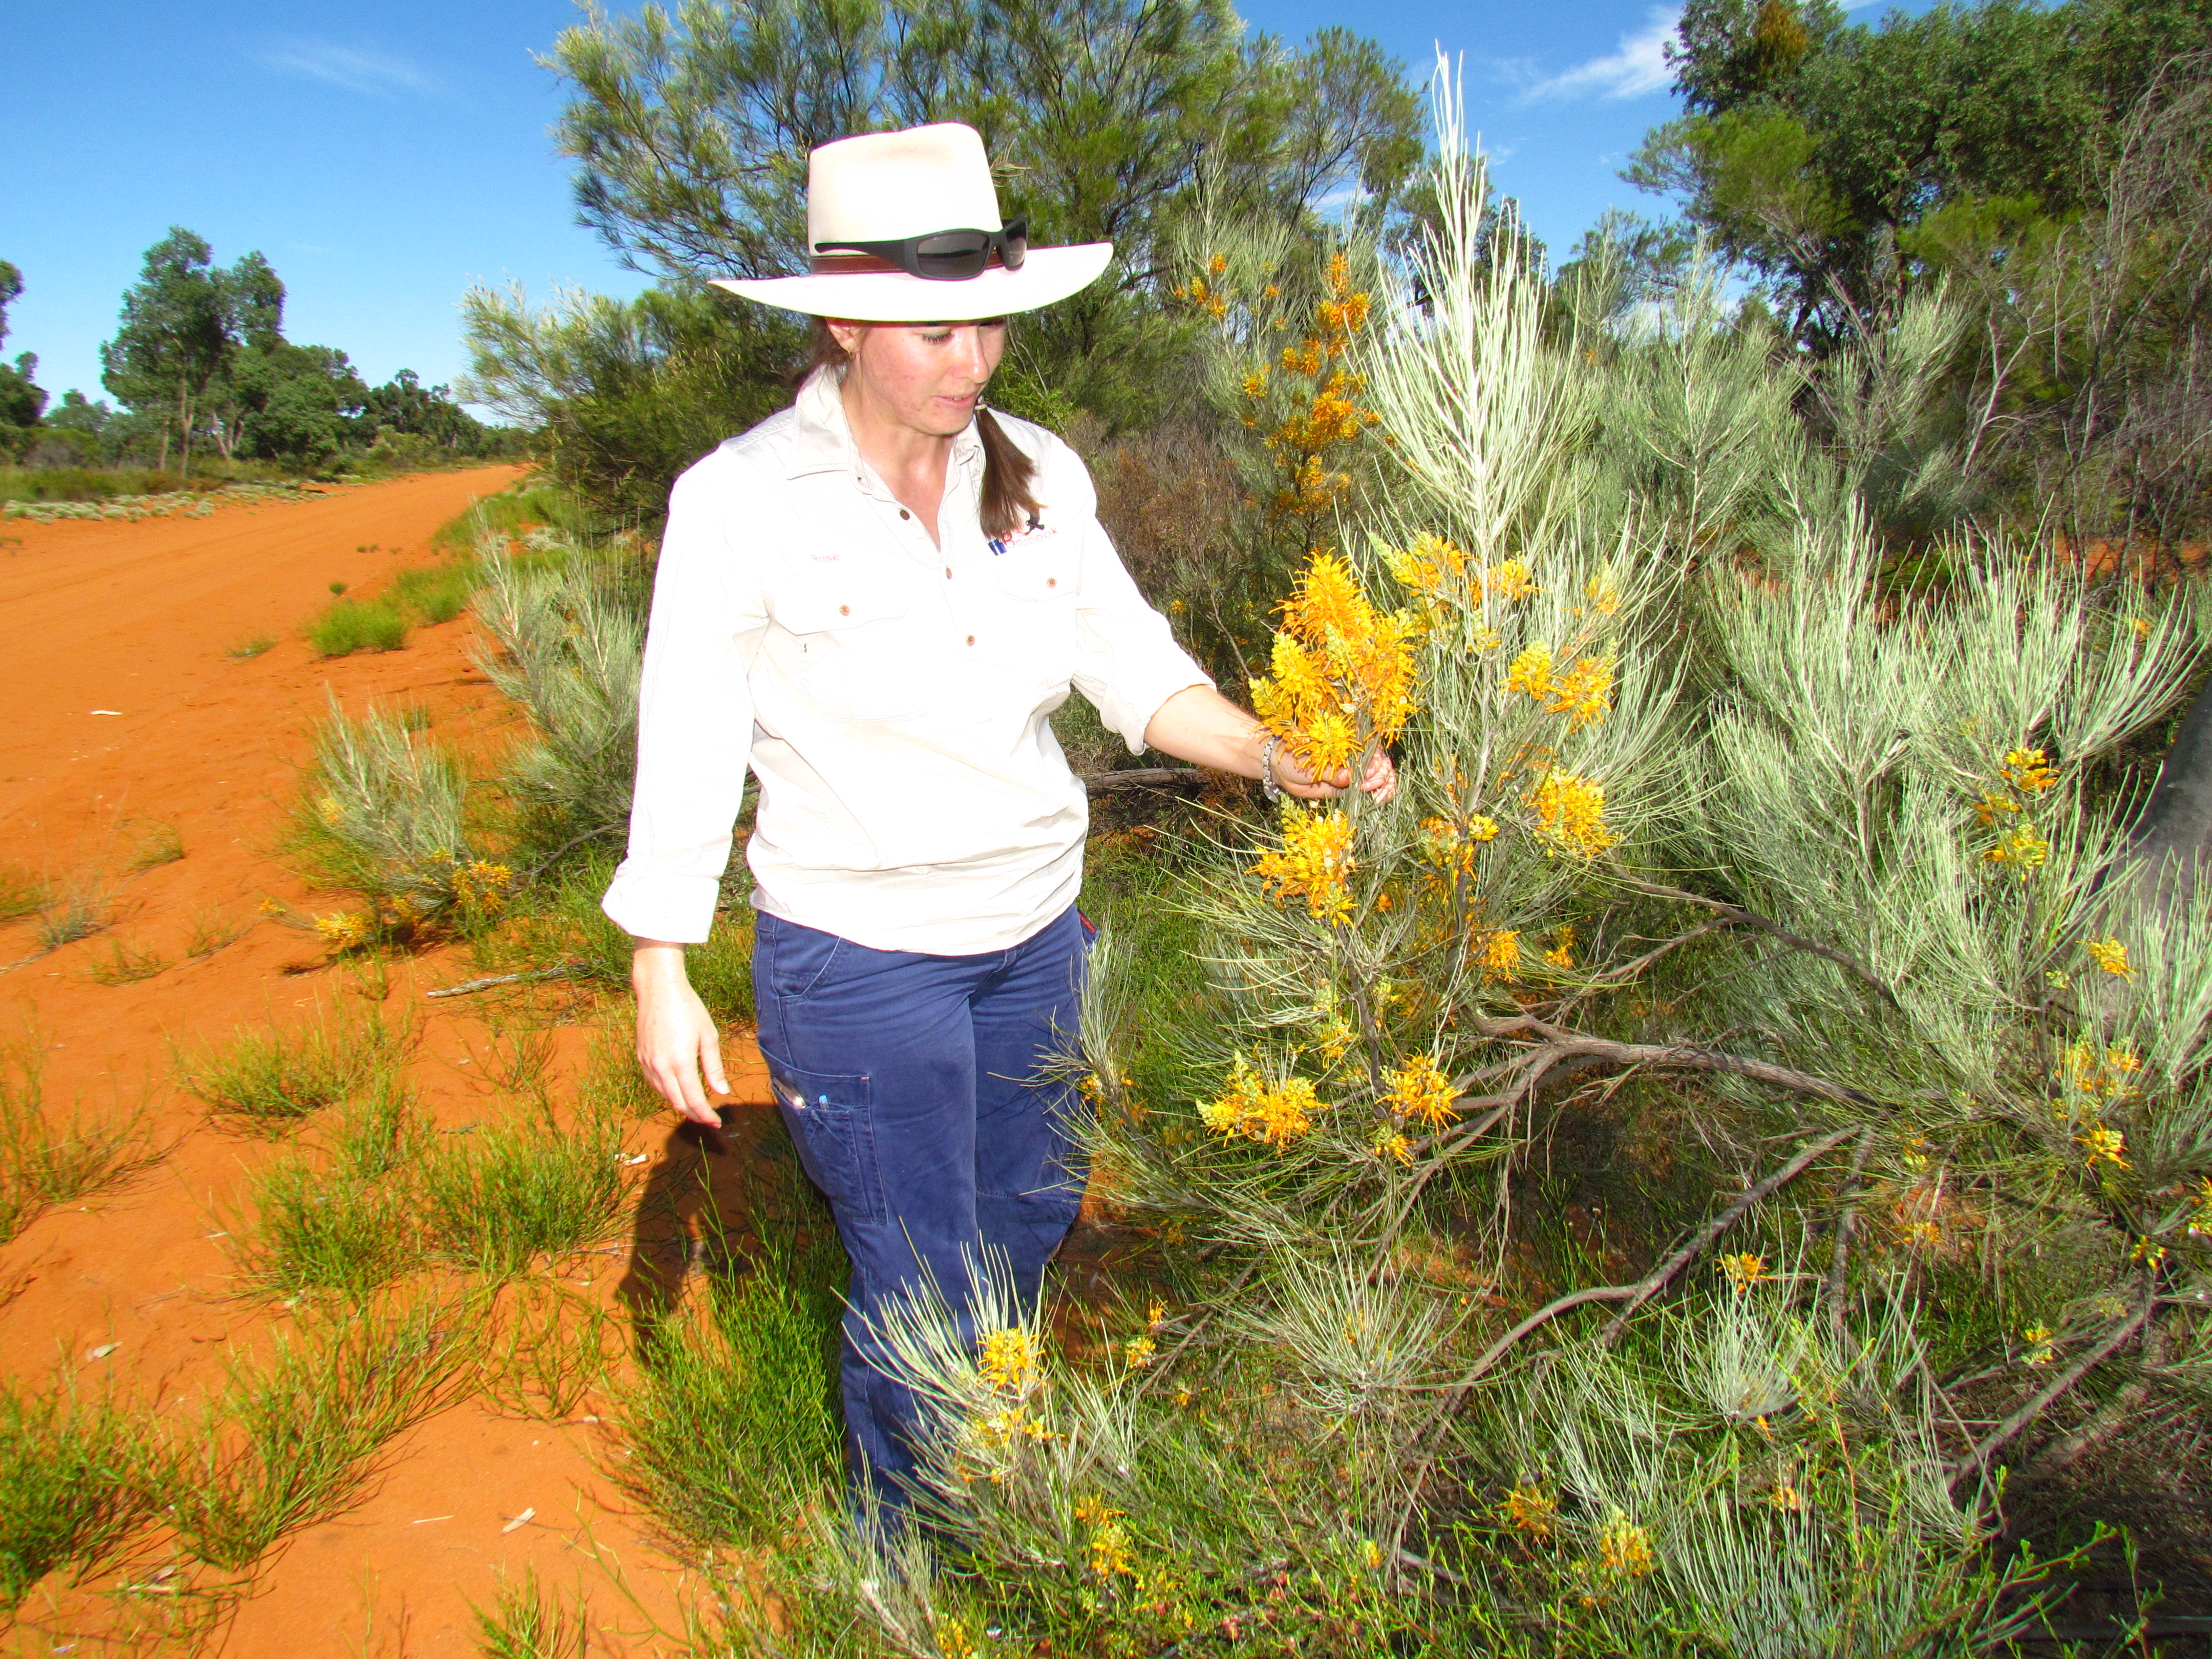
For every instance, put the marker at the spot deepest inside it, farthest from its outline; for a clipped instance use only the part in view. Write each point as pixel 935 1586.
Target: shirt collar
pixel 824 443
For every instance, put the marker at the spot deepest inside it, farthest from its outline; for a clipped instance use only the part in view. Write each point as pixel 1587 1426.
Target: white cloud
pixel 1637 68
pixel 372 72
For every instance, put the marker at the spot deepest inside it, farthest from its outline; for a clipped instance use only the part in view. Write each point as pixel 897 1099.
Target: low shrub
pixel 385 814
pixel 529 1622
pixel 71 1486
pixel 497 1199
pixel 125 963
pixel 732 1423
pixel 320 1228
pixel 433 593
pixel 270 1081
pixel 353 625
pixel 251 646
pixel 21 893
pixel 291 1439
pixel 45 1161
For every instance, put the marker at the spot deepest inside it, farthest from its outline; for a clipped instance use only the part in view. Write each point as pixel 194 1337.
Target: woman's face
pixel 924 376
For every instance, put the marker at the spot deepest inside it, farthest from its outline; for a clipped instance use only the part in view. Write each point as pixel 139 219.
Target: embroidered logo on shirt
pixel 1034 532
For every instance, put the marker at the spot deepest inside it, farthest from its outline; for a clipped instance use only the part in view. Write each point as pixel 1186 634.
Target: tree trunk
pixel 2171 842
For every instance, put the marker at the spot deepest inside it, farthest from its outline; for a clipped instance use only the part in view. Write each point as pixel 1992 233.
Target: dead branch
pixel 1976 1460
pixel 467 987
pixel 1148 777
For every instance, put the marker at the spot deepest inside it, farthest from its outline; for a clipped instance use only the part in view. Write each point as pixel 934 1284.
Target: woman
pixel 878 597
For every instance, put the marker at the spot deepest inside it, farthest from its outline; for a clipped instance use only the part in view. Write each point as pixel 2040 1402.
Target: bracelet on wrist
pixel 1272 790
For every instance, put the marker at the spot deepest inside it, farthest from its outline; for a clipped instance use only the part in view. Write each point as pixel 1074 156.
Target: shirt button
pixel 948 573
pixel 903 513
pixel 972 639
pixel 844 610
pixel 1052 581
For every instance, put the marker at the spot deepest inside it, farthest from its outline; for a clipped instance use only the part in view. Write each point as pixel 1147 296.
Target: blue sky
pixel 386 157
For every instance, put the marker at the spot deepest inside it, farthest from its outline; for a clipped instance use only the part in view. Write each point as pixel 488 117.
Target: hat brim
pixel 1047 275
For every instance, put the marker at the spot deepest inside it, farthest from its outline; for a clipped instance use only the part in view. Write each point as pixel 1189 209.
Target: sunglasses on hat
pixel 942 256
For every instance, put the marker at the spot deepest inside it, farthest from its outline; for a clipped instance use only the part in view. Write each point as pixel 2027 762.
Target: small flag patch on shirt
pixel 1035 530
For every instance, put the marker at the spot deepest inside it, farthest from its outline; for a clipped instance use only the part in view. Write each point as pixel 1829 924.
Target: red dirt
pixel 137 618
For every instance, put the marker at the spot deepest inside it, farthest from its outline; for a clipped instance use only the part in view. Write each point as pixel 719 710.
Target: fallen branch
pixel 565 970
pixel 1976 1460
pixel 1144 777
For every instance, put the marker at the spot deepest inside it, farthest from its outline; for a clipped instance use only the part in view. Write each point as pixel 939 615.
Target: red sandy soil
pixel 138 619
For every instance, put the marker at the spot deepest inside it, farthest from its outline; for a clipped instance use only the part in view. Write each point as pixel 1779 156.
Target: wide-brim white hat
pixel 886 187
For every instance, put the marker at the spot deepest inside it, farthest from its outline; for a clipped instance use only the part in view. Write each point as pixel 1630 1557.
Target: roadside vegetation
pixel 1721 1165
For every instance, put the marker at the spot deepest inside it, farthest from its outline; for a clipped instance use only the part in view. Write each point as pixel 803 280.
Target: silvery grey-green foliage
pixel 387 815
pixel 571 641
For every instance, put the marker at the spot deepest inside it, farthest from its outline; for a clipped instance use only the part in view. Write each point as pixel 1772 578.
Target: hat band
pixel 843 264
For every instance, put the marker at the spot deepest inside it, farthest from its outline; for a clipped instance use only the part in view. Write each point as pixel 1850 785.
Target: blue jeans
pixel 923 1125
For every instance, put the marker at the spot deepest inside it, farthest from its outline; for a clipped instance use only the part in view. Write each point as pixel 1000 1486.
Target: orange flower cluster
pixel 1583 691
pixel 1325 417
pixel 2021 774
pixel 1343 670
pixel 1209 293
pixel 1571 814
pixel 1250 1106
pixel 1419 1089
pixel 1315 864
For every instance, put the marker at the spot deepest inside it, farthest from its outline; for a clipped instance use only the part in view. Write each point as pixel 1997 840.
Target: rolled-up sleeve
pixel 695 718
pixel 1127 662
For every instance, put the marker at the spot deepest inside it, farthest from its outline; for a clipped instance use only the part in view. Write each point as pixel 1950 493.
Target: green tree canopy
pixel 1810 145
pixel 182 323
pixel 21 401
pixel 1107 118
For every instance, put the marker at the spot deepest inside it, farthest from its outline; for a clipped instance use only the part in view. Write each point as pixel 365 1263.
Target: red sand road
pixel 138 618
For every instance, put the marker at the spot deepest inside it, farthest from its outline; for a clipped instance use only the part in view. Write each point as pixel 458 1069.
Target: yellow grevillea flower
pixel 2147 1251
pixel 1343 672
pixel 1315 863
pixel 1571 814
pixel 1744 1270
pixel 1388 1143
pixel 1562 954
pixel 2109 955
pixel 1249 1105
pixel 349 930
pixel 2098 1073
pixel 1009 1359
pixel 1137 1352
pixel 1992 803
pixel 2023 849
pixel 1420 1091
pixel 2027 771
pixel 1500 952
pixel 2200 1218
pixel 1626 1548
pixel 1428 564
pixel 2105 1146
pixel 1531 672
pixel 1529 1509
pixel 1510 581
pixel 2040 1351
pixel 1604 597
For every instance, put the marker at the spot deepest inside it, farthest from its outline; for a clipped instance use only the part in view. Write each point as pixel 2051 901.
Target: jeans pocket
pixel 798 957
pixel 831 1124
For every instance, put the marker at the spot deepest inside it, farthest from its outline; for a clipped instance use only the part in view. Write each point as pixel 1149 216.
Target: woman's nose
pixel 973 357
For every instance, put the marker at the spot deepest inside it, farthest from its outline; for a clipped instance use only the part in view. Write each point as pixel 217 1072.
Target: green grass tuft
pixel 733 1423
pixel 315 1229
pixel 531 1623
pixel 435 593
pixel 251 646
pixel 76 913
pixel 353 625
pixel 292 1439
pixel 125 964
pixel 155 841
pixel 71 1486
pixel 21 893
pixel 271 1079
pixel 513 1191
pixel 45 1161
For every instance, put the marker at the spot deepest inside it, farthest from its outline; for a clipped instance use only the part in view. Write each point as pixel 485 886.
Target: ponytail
pixel 1009 501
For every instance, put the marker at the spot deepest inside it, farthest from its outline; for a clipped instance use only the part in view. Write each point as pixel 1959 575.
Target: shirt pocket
pixel 1040 586
pixel 854 650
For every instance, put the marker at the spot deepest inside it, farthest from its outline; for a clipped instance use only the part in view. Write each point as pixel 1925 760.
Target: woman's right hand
pixel 676 1035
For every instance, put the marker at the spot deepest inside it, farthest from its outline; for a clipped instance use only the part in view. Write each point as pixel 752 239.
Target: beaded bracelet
pixel 1268 786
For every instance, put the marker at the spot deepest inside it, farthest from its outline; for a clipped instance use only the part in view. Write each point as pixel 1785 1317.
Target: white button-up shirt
pixel 893 693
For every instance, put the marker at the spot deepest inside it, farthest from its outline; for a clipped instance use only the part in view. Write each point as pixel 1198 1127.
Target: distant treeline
pixel 201 369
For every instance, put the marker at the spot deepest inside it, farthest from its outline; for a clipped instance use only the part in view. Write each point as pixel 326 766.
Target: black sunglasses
pixel 943 256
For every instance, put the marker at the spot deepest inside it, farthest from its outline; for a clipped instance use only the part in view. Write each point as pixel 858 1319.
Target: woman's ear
pixel 847 333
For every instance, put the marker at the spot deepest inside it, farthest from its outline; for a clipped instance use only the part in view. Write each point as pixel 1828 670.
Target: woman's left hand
pixel 1379 779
